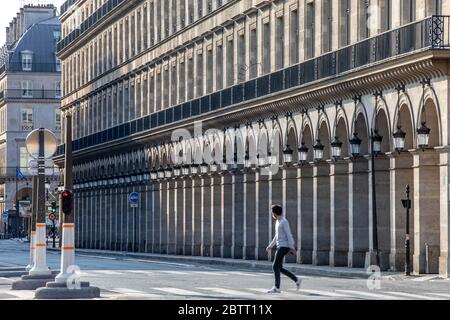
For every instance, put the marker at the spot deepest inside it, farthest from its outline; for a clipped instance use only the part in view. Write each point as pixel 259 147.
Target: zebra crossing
pixel 161 293
pixel 202 293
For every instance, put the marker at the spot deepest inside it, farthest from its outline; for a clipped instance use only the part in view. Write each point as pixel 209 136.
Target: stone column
pixel 359 231
pixel 306 217
pixel 117 212
pixel 157 217
pixel 227 205
pixel 249 214
pixel 206 189
pixel 401 174
pixel 427 222
pixel 196 215
pixel 263 215
pixel 171 216
pixel 164 205
pixel 237 215
pixel 339 209
pixel 149 217
pixel 444 259
pixel 321 213
pixel 188 216
pixel 290 201
pixel 382 183
pixel 179 218
pixel 216 215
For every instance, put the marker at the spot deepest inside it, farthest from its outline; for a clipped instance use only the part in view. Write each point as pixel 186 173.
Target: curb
pixel 250 264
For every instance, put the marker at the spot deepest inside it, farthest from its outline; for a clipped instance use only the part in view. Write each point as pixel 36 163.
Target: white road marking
pixel 369 294
pixel 324 293
pixel 180 291
pixel 427 278
pixel 228 291
pixel 237 273
pixel 208 273
pixel 21 294
pixel 445 295
pixel 6 279
pixel 134 293
pixel 103 272
pixel 175 272
pixel 160 262
pixel 414 296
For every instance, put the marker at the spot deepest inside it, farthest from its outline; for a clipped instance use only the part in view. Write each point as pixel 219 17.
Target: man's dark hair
pixel 277 210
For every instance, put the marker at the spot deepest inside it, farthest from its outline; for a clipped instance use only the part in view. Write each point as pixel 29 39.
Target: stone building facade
pixel 215 110
pixel 30 92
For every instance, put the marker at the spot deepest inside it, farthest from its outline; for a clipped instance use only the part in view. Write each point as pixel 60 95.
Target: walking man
pixel 285 243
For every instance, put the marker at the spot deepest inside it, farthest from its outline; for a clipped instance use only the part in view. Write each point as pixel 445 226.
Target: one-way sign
pixel 134 200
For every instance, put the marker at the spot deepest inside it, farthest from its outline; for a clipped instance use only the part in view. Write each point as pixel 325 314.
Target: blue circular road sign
pixel 5 215
pixel 134 199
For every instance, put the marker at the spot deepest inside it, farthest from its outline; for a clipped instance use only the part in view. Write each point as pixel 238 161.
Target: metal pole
pixel 17 196
pixel 407 240
pixel 34 201
pixel 40 264
pixel 67 220
pixel 374 208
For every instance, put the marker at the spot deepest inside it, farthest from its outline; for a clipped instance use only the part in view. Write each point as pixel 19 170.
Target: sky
pixel 9 9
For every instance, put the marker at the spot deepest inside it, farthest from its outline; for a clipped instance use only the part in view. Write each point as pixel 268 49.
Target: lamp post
pixel 423 136
pixel 399 139
pixel 407 205
pixel 287 155
pixel 375 140
pixel 336 148
pixel 318 150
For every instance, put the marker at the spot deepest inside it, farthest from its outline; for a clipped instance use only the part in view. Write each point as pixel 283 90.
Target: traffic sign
pixel 52 217
pixel 5 215
pixel 50 143
pixel 134 200
pixel 49 167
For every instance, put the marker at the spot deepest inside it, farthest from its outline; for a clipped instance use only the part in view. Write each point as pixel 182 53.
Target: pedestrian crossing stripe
pixel 230 292
pixel 175 272
pixel 369 294
pixel 182 292
pixel 445 295
pixel 415 296
pixel 324 293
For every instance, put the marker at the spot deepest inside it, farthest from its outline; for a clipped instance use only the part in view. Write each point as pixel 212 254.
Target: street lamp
pixel 303 153
pixel 168 172
pixel 355 145
pixel 423 136
pixel 161 173
pixel 336 148
pixel 177 171
pixel 204 168
pixel 261 161
pixel 399 139
pixel 407 205
pixel 213 167
pixel 376 142
pixel 287 155
pixel 318 150
pixel 194 169
pixel 247 162
pixel 154 174
pixel 185 169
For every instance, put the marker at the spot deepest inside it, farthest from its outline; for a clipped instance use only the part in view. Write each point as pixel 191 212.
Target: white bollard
pixel 32 250
pixel 67 252
pixel 40 257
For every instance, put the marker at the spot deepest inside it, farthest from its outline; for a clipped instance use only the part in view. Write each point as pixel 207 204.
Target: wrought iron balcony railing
pixel 33 67
pixel 30 94
pixel 430 33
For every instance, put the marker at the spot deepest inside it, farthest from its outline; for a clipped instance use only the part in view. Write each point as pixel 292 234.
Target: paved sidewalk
pixel 341 272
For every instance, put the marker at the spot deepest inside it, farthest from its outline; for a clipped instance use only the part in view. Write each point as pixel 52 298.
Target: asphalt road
pixel 127 278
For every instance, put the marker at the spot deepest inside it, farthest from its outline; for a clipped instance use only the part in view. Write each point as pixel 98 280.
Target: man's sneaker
pixel 274 290
pixel 298 283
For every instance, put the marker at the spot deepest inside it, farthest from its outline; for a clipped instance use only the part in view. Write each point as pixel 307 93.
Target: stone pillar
pixel 426 211
pixel 321 213
pixel 359 232
pixel 382 183
pixel 216 210
pixel 164 219
pixel 227 205
pixel 237 215
pixel 188 217
pixel 129 216
pixel 179 218
pixel 401 174
pixel 263 215
pixel 205 210
pixel 149 217
pixel 157 217
pixel 249 214
pixel 444 259
pixel 142 218
pixel 290 201
pixel 171 216
pixel 339 224
pixel 196 215
pixel 306 218
pixel 103 219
